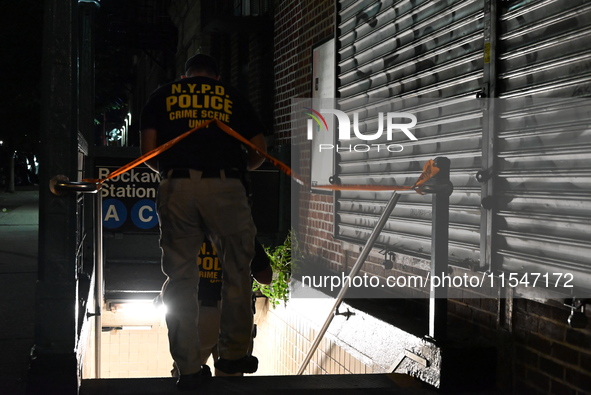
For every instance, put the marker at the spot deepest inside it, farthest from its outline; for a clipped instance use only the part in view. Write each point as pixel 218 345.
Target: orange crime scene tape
pixel 429 170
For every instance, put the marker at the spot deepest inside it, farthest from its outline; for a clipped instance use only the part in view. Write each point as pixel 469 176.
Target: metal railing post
pixel 60 185
pixel 98 324
pixel 439 250
pixel 354 271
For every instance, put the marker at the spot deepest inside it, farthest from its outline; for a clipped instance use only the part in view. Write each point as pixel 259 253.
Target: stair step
pixel 311 384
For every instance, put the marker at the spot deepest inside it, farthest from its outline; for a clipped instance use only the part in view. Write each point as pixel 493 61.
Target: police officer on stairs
pixel 201 193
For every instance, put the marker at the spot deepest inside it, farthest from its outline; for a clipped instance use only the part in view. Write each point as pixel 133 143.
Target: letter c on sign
pixel 143 214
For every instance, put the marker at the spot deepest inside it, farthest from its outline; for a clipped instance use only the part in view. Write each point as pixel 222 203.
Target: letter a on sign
pixel 112 214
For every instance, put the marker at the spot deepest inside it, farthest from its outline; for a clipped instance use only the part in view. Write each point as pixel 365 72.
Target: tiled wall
pixel 283 341
pixel 135 353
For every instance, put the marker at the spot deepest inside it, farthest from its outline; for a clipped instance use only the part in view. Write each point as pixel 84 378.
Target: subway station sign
pixel 129 200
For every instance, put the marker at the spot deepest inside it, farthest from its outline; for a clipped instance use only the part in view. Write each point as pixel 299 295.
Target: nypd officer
pixel 201 194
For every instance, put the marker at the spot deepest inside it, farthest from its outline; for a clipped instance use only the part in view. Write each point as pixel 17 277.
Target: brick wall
pixel 538 352
pixel 299 26
pixel 550 356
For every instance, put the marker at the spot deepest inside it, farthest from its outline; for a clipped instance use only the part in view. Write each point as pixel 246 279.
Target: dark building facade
pixel 509 82
pixel 498 88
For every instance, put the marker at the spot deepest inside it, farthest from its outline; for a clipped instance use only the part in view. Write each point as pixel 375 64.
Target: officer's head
pixel 202 65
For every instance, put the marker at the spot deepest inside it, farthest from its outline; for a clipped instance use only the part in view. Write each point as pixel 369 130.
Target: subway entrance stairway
pixel 18 264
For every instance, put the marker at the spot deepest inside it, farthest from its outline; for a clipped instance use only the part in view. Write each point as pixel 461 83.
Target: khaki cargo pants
pixel 188 209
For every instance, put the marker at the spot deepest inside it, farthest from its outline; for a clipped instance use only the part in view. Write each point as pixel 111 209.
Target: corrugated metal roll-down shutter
pixel 543 188
pixel 426 58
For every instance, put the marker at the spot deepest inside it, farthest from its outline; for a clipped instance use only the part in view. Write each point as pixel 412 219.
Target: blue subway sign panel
pixel 129 200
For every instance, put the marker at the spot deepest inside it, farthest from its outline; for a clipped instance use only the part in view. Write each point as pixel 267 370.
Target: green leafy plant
pixel 278 290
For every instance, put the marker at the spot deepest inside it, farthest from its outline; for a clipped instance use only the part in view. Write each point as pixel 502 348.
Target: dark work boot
pixel 246 364
pixel 194 381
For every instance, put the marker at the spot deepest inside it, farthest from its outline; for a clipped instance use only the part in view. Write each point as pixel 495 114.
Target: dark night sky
pixel 21 24
pixel 21 44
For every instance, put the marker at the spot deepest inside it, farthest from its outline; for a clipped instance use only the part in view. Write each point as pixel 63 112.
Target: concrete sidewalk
pixel 19 224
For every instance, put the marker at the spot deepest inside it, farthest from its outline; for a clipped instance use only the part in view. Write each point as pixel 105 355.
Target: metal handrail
pixel 354 271
pixel 443 188
pixel 59 186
